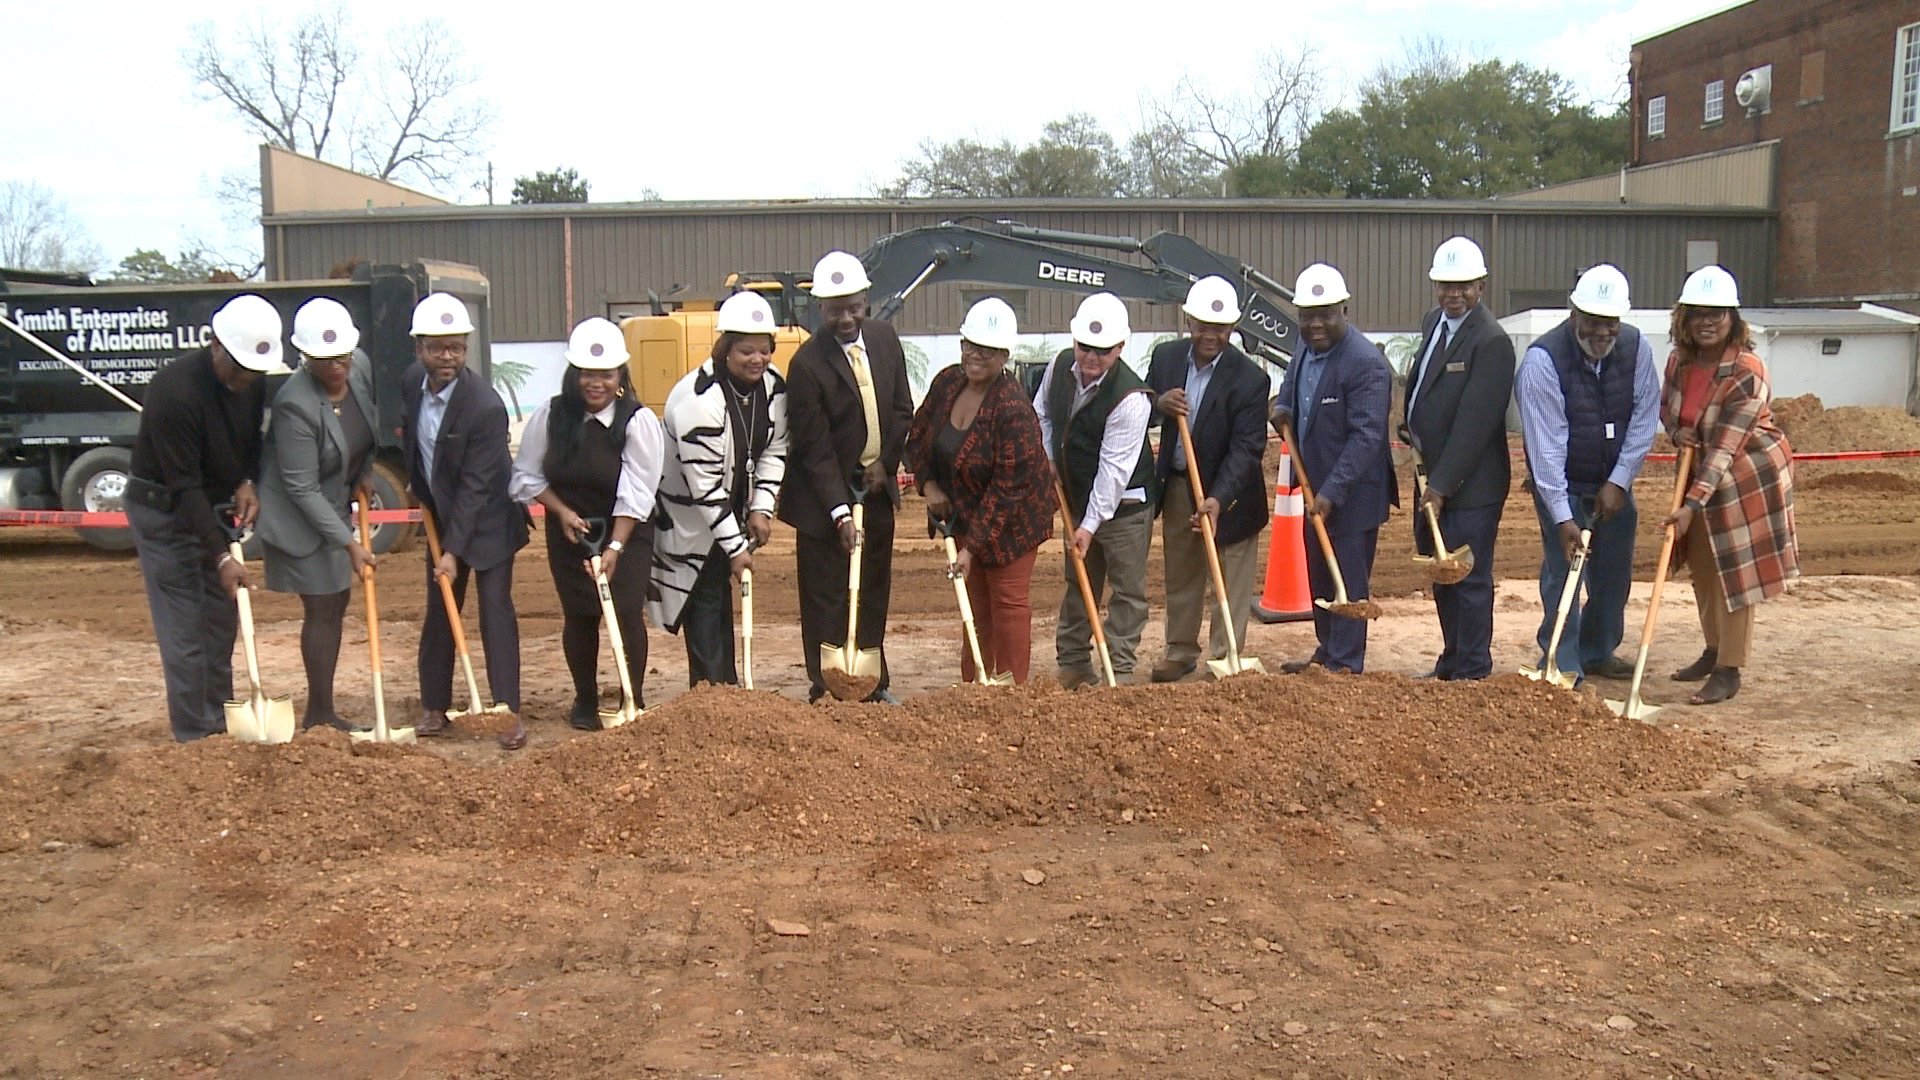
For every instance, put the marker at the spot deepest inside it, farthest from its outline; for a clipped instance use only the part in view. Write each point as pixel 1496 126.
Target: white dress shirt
pixel 433 410
pixel 641 455
pixel 1120 444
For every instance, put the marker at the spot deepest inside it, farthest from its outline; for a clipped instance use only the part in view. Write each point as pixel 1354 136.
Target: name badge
pixel 1609 432
pixel 1329 401
pixel 1456 367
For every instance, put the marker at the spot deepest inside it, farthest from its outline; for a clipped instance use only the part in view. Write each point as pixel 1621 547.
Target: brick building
pixel 1834 85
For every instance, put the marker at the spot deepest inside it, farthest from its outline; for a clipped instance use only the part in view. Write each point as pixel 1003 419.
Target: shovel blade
pixel 1534 673
pixel 1223 668
pixel 402 735
pixel 1001 679
pixel 850 674
pixel 627 713
pixel 1634 709
pixel 263 720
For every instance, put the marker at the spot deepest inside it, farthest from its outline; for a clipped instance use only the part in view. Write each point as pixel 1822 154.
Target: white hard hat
pixel 1320 285
pixel 322 327
pixel 839 274
pixel 1710 286
pixel 1101 321
pixel 990 324
pixel 1459 259
pixel 1213 300
pixel 1602 291
pixel 249 328
pixel 745 313
pixel 597 345
pixel 441 315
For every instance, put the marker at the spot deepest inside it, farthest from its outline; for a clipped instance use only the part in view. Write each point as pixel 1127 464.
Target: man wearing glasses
pixel 1456 409
pixel 458 467
pixel 1223 395
pixel 1093 419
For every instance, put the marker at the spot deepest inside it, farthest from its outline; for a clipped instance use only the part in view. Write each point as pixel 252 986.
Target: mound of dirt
pixel 727 772
pixel 1871 483
pixel 1813 429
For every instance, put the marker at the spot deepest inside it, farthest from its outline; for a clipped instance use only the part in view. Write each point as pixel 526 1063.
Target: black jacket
pixel 479 523
pixel 827 428
pixel 1459 421
pixel 199 441
pixel 1229 435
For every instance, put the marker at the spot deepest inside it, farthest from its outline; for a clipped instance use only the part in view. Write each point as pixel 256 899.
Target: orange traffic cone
pixel 1285 597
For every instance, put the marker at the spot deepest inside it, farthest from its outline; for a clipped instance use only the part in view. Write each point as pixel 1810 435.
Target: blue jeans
pixel 1597 621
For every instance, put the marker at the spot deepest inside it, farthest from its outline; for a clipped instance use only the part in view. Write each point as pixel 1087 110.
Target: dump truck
pixel 76 357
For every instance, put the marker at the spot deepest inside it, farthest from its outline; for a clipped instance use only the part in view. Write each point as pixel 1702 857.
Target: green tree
pixel 919 369
pixel 512 376
pixel 1438 127
pixel 557 186
pixel 149 266
pixel 1074 157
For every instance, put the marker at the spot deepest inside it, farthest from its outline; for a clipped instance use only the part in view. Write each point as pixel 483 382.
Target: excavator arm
pixel 1021 256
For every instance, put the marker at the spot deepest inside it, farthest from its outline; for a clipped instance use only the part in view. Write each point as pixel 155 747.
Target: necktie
pixel 1433 356
pixel 869 403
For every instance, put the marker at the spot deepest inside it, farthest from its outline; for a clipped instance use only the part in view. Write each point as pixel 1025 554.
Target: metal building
pixel 553 265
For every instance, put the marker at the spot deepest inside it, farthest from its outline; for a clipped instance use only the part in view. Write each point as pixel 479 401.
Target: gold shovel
pixel 1443 567
pixel 1234 663
pixel 1339 605
pixel 746 628
pixel 595 541
pixel 259 719
pixel 966 610
pixel 1550 671
pixel 850 672
pixel 1634 708
pixel 474 708
pixel 381 732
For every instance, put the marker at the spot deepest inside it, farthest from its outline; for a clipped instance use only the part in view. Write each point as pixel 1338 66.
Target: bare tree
pixel 409 113
pixel 38 233
pixel 1265 122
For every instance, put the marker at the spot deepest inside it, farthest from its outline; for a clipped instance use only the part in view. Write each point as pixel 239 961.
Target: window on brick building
pixel 1716 104
pixel 1906 78
pixel 1656 117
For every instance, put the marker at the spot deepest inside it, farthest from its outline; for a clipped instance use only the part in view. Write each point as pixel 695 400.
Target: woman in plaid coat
pixel 975 453
pixel 1736 522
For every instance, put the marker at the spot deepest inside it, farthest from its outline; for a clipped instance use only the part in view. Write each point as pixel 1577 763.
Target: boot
pixel 585 714
pixel 1700 668
pixel 1721 685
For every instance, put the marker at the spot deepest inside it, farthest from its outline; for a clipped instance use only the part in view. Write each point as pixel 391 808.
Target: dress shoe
pixel 584 716
pixel 1433 674
pixel 882 697
pixel 333 722
pixel 432 722
pixel 1611 667
pixel 514 737
pixel 1700 668
pixel 1295 667
pixel 1075 678
pixel 1721 685
pixel 1168 671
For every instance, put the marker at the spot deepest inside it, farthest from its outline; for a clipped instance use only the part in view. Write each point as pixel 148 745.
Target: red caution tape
pixel 83 519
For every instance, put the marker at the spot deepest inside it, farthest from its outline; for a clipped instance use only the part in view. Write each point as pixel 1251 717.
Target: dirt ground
pixel 1269 876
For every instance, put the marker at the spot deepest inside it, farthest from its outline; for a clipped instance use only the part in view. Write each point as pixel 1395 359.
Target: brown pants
pixel 1002 618
pixel 1729 633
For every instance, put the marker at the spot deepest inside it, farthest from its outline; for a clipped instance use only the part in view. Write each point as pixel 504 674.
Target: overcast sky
pixel 713 101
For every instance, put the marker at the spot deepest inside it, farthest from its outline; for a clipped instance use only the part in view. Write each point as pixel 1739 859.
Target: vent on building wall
pixel 1754 91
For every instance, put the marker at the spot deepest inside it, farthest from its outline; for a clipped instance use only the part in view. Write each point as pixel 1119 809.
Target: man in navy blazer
pixel 1458 388
pixel 1335 397
pixel 1224 396
pixel 458 467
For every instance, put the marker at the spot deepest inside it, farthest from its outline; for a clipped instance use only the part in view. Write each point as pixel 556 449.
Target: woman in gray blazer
pixel 319 449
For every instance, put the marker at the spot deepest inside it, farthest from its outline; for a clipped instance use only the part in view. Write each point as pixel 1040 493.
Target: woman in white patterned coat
pixel 726 455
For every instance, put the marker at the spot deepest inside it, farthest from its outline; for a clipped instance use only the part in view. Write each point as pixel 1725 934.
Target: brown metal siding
pixel 1384 252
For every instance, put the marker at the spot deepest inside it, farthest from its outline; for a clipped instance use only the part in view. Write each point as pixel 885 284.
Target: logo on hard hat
pixel 1453 257
pixel 446 318
pixel 329 337
pixel 838 277
pixel 1605 290
pixel 1319 290
pixel 1218 306
pixel 597 350
pixel 1093 327
pixel 759 316
pixel 263 348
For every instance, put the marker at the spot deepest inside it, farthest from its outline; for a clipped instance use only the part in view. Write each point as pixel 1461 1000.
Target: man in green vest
pixel 1093 417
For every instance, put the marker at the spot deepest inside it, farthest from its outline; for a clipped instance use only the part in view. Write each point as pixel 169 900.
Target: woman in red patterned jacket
pixel 976 455
pixel 1737 518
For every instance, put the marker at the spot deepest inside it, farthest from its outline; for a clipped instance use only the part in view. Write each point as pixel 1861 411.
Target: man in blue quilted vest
pixel 1589 397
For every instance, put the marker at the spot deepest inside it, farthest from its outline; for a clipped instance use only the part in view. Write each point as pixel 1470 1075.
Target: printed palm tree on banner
pixel 511 376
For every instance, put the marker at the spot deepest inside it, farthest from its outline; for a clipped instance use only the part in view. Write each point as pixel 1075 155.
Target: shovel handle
pixel 363 535
pixel 1567 592
pixel 611 618
pixel 1319 526
pixel 853 576
pixel 1206 532
pixel 1683 477
pixel 452 605
pixel 1087 599
pixel 243 600
pixel 746 628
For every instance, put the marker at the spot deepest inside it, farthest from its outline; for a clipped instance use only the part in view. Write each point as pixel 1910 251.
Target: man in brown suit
pixel 848 410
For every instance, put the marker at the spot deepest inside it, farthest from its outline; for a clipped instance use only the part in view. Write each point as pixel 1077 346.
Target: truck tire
pixel 389 493
pixel 97 482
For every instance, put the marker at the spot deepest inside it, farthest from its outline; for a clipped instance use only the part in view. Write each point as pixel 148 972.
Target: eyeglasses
pixel 1707 314
pixel 1453 287
pixel 1094 350
pixel 445 348
pixel 330 361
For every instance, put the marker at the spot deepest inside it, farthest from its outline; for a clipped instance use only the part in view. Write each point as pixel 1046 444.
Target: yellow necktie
pixel 869 403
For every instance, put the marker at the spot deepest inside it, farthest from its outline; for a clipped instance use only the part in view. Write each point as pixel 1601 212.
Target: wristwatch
pixel 615 545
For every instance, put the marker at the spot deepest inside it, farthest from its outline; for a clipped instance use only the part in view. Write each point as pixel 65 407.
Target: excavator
pixel 672 341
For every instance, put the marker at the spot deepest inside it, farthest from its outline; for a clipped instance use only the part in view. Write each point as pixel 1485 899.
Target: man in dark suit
pixel 458 467
pixel 1458 387
pixel 1223 394
pixel 848 410
pixel 1335 397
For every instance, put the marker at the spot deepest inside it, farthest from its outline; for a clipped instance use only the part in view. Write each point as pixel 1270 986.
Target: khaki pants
pixel 1190 582
pixel 1118 555
pixel 1729 633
